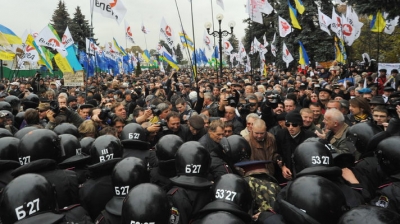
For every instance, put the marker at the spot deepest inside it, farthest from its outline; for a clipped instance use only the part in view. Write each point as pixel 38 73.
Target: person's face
pixel 164 114
pixel 206 124
pixel 193 130
pixel 258 133
pixel 367 96
pixel 120 111
pixel 119 126
pixel 216 92
pixel 249 124
pixel 331 105
pixel 174 124
pixel 380 117
pixel 228 131
pixel 42 114
pixel 217 135
pixel 289 106
pixel 53 86
pixel 314 97
pixel 249 89
pixel 22 87
pixel 73 104
pixel 316 111
pixel 307 119
pixel 323 95
pixel 229 113
pixel 279 109
pixel 293 129
pixel 355 110
pixel 329 123
pixel 62 102
pixel 181 108
pixel 84 113
pixel 253 105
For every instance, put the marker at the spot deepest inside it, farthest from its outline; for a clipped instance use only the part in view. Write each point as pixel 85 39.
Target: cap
pixel 84 106
pixel 395 71
pixel 344 103
pixel 193 95
pixel 326 90
pixel 149 97
pixel 382 70
pixel 377 100
pixel 364 90
pixel 43 106
pixel 294 117
pixel 2 114
pixel 291 82
pixel 71 99
pixel 196 122
pixel 281 116
pixel 388 89
pixel 14 84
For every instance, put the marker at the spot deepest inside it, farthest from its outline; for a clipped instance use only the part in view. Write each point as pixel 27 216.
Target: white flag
pixel 273 47
pixel 324 21
pixel 284 27
pixel 390 23
pixel 336 25
pixel 242 51
pixel 351 27
pixel 207 40
pixel 227 46
pixel 166 33
pixel 265 7
pixel 67 39
pixel 144 29
pixel 286 55
pixel 257 45
pixel 221 4
pixel 91 47
pixel 113 9
pixel 30 54
pixel 128 33
pixel 254 11
pixel 47 38
pixel 265 41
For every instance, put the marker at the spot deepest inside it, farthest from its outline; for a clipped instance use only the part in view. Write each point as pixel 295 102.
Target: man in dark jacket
pixel 288 139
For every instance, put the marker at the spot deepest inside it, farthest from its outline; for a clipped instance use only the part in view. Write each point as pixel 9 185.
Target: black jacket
pixel 208 143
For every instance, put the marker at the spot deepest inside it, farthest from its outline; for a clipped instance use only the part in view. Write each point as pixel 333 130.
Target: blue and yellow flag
pixel 304 60
pixel 186 41
pixel 299 6
pixel 293 16
pixel 43 58
pixel 11 37
pixel 378 23
pixel 146 56
pixel 168 58
pixel 119 48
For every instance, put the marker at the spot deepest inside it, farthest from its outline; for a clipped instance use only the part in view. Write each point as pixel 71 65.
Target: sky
pixel 19 15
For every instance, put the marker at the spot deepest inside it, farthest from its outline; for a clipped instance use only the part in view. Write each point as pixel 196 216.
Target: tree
pixel 178 53
pixel 80 29
pixel 138 69
pixel 369 7
pixel 60 19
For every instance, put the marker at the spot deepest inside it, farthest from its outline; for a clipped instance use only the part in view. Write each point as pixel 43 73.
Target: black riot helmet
pixel 5 133
pixel 231 194
pixel 311 153
pixel 9 148
pixel 153 204
pixel 106 148
pixel 5 106
pixel 167 147
pixel 67 128
pixel 72 149
pixel 21 133
pixel 220 217
pixel 389 155
pixel 133 136
pixel 367 214
pixel 31 101
pixel 15 103
pixel 313 199
pixel 86 144
pixel 19 118
pixel 236 148
pixel 360 134
pixel 127 174
pixel 192 162
pixel 29 198
pixel 39 144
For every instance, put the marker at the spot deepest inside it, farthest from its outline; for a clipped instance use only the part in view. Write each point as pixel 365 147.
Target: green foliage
pixel 60 19
pixel 178 53
pixel 369 7
pixel 80 29
pixel 138 69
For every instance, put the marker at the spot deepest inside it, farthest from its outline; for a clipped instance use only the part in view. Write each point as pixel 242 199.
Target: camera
pixel 231 100
pixel 106 115
pixel 154 110
pixel 163 125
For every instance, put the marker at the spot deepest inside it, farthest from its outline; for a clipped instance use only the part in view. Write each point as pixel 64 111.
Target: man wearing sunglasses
pixel 288 139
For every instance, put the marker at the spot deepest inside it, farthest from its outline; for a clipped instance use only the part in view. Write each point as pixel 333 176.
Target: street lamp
pixel 220 33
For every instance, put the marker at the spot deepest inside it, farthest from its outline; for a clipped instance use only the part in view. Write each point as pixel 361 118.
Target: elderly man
pixel 337 130
pixel 215 133
pixel 249 124
pixel 230 115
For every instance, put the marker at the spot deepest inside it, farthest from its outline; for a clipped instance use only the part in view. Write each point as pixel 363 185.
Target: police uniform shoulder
pixel 173 190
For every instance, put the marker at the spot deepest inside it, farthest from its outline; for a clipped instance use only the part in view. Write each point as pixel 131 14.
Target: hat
pixel 294 117
pixel 382 70
pixel 97 97
pixel 344 103
pixel 186 85
pixel 377 100
pixel 281 116
pixel 110 91
pixel 84 106
pixel 71 99
pixel 196 122
pixel 92 102
pixel 14 84
pixel 193 96
pixel 52 83
pixel 326 90
pixel 228 83
pixel 2 114
pixel 364 90
pixel 149 97
pixel 388 89
pixel 82 94
pixel 43 106
pixel 291 82
pixel 395 71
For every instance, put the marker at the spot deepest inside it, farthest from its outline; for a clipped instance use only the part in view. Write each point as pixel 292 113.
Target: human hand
pixel 154 128
pixel 286 173
pixel 320 135
pixel 50 115
pixel 348 175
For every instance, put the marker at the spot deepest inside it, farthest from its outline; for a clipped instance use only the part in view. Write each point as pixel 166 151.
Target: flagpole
pixel 212 19
pixel 194 45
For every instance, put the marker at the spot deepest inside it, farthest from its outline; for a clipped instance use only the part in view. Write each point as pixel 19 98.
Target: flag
pixel 62 63
pixel 91 47
pixel 378 23
pixel 72 60
pixel 166 33
pixel 46 59
pixel 216 52
pixel 242 51
pixel 146 56
pixel 42 57
pixel 284 27
pixel 390 23
pixel 118 48
pixel 6 56
pixel 221 4
pixel 207 40
pixel 203 56
pixel 186 41
pixel 340 52
pixel 48 37
pixel 273 47
pixel 144 30
pixel 113 9
pixel 286 55
pixel 227 46
pixel 254 12
pixel 30 55
pixel 265 41
pixel 304 60
pixel 265 7
pixel 293 16
pixel 336 25
pixel 128 33
pixel 10 36
pixel 3 41
pixel 356 25
pixel 67 39
pixel 299 6
pixel 324 21
pixel 168 58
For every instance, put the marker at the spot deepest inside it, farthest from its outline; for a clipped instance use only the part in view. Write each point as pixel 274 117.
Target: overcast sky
pixel 19 15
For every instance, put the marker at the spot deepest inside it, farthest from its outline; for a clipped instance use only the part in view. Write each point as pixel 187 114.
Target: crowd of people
pixel 314 145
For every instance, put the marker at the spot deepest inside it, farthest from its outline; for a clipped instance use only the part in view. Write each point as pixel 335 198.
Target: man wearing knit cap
pixel 196 127
pixel 288 139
